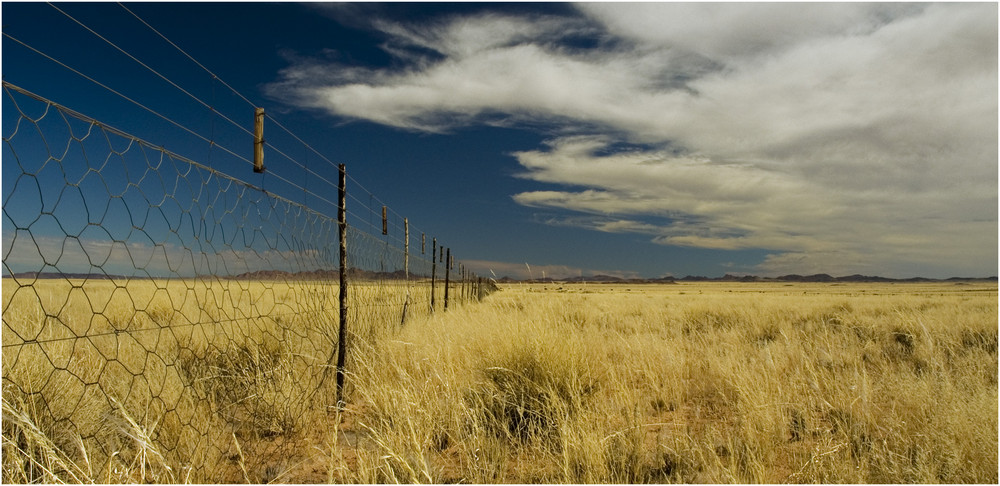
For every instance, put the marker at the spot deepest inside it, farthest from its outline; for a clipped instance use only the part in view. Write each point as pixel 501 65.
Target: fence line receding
pixel 151 301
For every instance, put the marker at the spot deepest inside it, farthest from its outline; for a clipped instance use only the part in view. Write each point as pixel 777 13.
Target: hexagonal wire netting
pixel 157 310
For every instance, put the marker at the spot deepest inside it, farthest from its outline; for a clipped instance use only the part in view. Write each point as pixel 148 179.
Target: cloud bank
pixel 843 138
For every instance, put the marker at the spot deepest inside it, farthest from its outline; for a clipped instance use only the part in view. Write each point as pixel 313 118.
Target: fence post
pixel 258 140
pixel 385 222
pixel 447 273
pixel 406 248
pixel 406 267
pixel 434 244
pixel 342 334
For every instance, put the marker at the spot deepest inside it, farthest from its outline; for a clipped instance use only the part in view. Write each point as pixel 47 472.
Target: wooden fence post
pixel 258 140
pixel 434 243
pixel 385 222
pixel 406 248
pixel 406 267
pixel 461 284
pixel 342 334
pixel 447 273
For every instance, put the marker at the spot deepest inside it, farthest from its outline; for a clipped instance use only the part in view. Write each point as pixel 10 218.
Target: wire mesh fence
pixel 156 309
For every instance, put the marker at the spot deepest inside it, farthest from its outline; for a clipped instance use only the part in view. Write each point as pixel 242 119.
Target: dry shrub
pixel 529 391
pixel 247 385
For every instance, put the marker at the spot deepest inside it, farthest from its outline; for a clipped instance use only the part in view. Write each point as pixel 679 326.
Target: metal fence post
pixel 342 334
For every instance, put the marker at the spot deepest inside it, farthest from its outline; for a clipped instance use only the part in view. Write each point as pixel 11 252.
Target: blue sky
pixel 625 139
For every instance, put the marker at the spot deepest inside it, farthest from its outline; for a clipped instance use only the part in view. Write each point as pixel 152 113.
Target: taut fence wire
pixel 157 309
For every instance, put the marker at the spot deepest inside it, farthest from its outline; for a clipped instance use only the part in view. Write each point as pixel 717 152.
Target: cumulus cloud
pixel 809 224
pixel 729 32
pixel 842 137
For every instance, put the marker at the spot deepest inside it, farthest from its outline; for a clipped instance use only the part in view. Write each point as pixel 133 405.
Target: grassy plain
pixel 686 383
pixel 174 380
pixel 707 382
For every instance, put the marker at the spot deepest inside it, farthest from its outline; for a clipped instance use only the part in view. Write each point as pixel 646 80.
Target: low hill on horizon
pixel 816 278
pixel 329 274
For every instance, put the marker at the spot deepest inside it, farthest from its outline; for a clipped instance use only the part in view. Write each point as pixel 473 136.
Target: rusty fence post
pixel 258 140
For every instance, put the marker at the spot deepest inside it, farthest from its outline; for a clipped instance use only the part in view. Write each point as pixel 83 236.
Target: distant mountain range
pixel 819 277
pixel 323 274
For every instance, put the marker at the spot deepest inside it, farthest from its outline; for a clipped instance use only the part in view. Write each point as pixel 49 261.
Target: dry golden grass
pixel 173 380
pixel 704 382
pixel 687 383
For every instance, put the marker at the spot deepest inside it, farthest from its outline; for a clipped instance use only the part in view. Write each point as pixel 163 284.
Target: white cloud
pixel 855 137
pixel 461 37
pixel 494 69
pixel 805 221
pixel 732 31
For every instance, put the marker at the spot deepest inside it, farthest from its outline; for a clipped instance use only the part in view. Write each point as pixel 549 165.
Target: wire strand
pixel 206 105
pixel 213 110
pixel 166 152
pixel 165 118
pixel 214 76
pixel 227 85
pixel 123 51
pixel 273 120
pixel 126 98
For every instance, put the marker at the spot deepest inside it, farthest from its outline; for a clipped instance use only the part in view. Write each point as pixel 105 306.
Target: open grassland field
pixel 175 380
pixel 706 382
